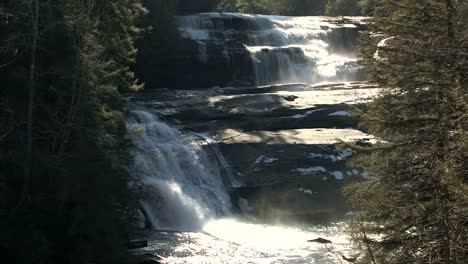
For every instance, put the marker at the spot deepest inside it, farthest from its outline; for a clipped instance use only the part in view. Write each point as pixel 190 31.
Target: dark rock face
pixel 185 69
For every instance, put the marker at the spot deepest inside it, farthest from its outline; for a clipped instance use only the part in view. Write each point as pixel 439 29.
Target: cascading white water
pixel 283 49
pixel 183 188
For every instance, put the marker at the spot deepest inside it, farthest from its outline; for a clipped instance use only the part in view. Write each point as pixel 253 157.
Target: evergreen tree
pixel 274 7
pixel 227 6
pixel 350 7
pixel 190 6
pixel 63 153
pixel 308 7
pixel 342 8
pixel 251 6
pixel 367 6
pixel 413 205
pixel 160 49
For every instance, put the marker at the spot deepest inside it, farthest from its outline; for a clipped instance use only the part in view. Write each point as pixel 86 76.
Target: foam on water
pixel 283 49
pixel 183 189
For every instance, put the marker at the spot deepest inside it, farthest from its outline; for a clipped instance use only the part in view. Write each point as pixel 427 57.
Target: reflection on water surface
pixel 235 241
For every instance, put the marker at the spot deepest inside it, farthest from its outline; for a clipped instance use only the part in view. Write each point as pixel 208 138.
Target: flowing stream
pixel 282 49
pixel 182 179
pixel 234 241
pixel 183 188
pixel 185 193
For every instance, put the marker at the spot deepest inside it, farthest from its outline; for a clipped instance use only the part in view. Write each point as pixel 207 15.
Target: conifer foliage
pixel 413 205
pixel 275 7
pixel 64 67
pixel 350 7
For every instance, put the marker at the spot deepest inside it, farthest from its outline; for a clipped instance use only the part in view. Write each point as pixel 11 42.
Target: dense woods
pixel 413 207
pixel 280 7
pixel 63 153
pixel 350 7
pixel 276 7
pixel 160 50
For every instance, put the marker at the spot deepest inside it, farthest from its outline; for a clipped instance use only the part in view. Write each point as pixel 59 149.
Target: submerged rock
pixel 135 244
pixel 320 240
pixel 350 258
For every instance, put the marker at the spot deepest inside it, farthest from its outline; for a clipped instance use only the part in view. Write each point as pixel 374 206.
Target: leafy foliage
pixel 413 206
pixel 63 153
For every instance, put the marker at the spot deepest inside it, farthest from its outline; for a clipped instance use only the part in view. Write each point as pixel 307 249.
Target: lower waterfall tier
pixel 182 189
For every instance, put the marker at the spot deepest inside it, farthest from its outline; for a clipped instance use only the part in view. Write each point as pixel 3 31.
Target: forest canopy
pixel 279 7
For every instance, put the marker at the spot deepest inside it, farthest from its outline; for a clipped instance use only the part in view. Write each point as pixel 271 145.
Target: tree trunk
pixel 32 90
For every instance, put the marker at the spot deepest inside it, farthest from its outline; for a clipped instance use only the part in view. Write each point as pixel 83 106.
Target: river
pixel 250 174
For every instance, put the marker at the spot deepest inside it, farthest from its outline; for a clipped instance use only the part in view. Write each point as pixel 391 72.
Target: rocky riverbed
pixel 283 143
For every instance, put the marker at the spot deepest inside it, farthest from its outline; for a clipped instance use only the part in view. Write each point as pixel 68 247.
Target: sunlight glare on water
pixel 234 241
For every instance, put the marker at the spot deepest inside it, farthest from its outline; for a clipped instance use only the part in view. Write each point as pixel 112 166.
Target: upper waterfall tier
pixel 261 50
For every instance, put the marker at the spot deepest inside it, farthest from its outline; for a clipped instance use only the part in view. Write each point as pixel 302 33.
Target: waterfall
pixel 282 49
pixel 233 182
pixel 182 188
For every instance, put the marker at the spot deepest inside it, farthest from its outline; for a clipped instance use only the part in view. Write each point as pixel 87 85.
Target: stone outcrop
pixel 282 143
